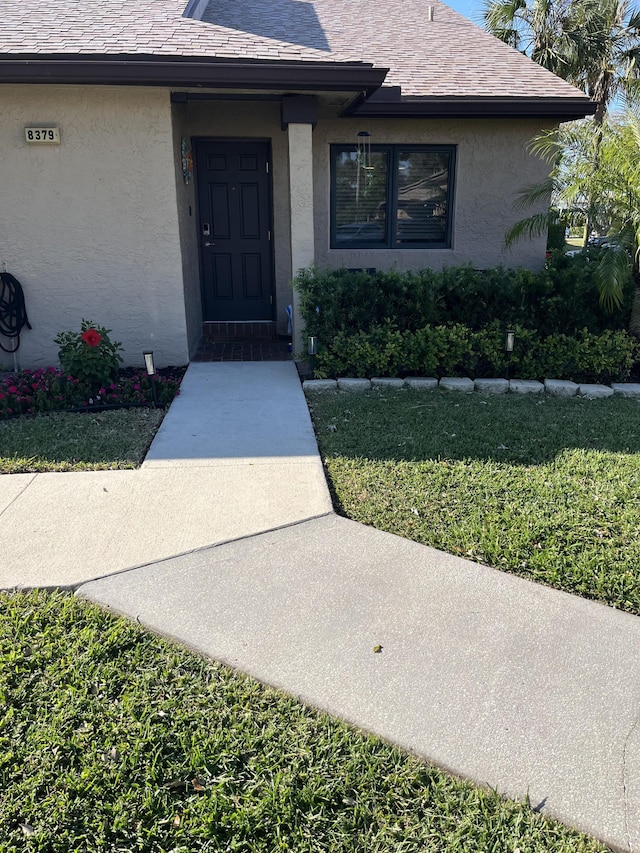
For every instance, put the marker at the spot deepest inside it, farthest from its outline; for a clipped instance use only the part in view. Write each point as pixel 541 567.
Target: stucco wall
pixel 90 226
pixel 259 120
pixel 492 164
pixel 187 216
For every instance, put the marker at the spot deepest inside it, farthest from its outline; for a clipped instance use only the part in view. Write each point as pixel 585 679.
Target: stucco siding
pixel 492 164
pixel 90 226
pixel 187 217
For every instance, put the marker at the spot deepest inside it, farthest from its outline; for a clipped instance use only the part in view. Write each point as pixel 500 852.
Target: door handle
pixel 209 244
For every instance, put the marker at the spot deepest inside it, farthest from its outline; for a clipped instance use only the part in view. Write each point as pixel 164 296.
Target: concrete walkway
pixel 235 455
pixel 503 681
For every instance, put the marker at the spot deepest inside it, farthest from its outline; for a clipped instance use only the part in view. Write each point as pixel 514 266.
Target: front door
pixel 234 203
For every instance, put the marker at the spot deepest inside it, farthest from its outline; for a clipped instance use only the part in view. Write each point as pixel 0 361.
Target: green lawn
pixel 543 487
pixel 77 442
pixel 114 740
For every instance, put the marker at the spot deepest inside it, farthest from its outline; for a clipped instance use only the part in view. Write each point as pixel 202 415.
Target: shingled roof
pixel 430 51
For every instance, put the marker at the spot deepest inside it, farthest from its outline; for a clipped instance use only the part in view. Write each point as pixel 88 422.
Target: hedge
pixel 457 350
pixel 453 322
pixel 562 299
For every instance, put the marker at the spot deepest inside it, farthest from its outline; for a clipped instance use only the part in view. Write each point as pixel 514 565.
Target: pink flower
pixel 12 389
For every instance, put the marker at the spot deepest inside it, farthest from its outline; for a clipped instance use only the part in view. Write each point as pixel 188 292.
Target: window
pixel 396 196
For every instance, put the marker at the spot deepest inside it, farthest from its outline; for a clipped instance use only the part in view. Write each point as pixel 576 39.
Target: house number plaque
pixel 50 135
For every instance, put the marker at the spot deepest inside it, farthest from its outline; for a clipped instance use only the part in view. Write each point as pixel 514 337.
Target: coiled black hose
pixel 13 311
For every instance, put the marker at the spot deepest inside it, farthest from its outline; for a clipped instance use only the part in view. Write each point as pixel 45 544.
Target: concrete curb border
pixel 555 387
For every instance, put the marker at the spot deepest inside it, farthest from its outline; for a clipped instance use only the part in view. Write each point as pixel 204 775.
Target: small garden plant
pixel 90 356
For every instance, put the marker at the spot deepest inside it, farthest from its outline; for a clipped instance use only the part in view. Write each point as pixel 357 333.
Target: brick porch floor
pixel 242 350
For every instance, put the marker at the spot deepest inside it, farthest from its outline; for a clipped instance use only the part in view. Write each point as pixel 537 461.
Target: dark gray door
pixel 235 230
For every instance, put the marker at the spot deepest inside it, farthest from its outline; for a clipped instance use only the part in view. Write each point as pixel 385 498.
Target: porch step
pixel 263 330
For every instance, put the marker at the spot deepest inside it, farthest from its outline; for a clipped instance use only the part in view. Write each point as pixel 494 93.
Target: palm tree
pixel 606 53
pixel 594 44
pixel 619 190
pixel 538 28
pixel 612 189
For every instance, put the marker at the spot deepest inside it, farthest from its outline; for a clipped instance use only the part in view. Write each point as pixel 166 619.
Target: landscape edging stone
pixel 555 387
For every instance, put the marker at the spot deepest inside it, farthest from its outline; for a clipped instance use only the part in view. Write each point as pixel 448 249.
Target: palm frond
pixel 533 194
pixel 531 227
pixel 612 272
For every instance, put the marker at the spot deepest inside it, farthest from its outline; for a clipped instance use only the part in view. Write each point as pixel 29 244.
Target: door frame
pixel 196 142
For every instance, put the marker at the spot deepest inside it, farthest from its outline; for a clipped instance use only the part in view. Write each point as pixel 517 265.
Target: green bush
pixel 556 236
pixel 562 299
pixel 458 350
pixel 454 322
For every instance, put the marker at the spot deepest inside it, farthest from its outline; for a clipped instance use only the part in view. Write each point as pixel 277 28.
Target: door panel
pixel 234 201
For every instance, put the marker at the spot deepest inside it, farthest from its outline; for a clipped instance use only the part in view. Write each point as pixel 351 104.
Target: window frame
pixel 392 150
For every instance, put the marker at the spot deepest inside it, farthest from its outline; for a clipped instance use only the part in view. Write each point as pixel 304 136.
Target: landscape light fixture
pixel 508 348
pixel 312 349
pixel 151 373
pixel 508 342
pixel 149 364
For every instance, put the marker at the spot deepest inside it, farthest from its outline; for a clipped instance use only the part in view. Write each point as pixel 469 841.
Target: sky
pixel 471 9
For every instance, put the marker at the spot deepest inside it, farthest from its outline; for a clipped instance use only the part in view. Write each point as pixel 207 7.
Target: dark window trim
pixel 390 243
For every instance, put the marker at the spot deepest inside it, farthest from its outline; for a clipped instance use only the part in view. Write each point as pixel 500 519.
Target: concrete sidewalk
pixel 235 455
pixel 503 681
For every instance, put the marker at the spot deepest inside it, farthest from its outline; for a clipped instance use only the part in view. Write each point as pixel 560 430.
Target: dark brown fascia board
pixel 560 109
pixel 201 72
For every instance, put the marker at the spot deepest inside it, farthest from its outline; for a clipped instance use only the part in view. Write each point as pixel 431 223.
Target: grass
pixel 77 442
pixel 114 740
pixel 546 488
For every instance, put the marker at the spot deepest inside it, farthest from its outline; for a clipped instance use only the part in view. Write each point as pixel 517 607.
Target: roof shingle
pixel 446 56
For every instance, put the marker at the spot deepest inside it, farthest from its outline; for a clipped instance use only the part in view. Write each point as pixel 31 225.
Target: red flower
pixel 91 337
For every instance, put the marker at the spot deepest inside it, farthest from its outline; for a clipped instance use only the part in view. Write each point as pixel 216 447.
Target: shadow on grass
pixel 419 426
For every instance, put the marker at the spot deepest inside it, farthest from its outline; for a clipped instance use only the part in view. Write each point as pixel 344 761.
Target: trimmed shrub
pixel 562 299
pixel 458 350
pixel 453 321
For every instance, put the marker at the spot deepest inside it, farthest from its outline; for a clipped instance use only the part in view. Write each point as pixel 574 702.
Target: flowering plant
pixel 47 389
pixel 89 355
pixel 91 337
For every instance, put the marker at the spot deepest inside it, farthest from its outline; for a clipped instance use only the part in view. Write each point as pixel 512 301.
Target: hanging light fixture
pixel 363 161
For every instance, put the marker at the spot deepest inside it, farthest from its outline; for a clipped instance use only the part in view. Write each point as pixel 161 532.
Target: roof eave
pixel 558 108
pixel 189 71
